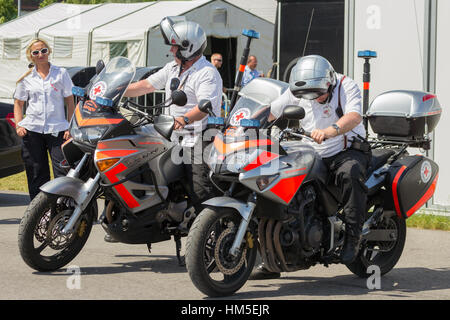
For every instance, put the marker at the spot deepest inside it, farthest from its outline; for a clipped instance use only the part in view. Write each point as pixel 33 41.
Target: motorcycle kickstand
pixel 181 260
pixel 149 247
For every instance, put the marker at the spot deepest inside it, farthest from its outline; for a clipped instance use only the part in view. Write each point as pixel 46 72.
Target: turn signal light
pixel 104 165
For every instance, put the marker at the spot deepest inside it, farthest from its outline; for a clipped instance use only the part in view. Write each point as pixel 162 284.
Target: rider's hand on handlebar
pixel 319 135
pixel 179 123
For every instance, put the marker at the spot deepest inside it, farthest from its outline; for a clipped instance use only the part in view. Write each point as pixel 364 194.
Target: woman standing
pixel 45 87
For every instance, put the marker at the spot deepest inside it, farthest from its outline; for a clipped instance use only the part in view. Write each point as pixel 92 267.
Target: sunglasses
pixel 218 60
pixel 36 52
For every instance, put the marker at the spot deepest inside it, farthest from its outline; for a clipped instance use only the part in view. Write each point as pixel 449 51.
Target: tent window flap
pixel 62 47
pixel 118 49
pixel 11 49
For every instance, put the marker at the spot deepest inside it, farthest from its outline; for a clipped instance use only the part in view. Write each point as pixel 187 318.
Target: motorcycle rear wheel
pixel 41 244
pixel 210 266
pixel 385 255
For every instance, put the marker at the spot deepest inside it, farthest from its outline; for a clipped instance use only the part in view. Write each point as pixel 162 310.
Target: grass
pixel 18 181
pixel 429 221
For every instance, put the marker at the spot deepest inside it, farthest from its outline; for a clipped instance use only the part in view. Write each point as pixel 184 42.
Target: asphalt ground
pixel 110 271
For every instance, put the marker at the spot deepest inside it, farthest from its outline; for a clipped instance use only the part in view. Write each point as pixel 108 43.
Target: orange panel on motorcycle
pixel 404 115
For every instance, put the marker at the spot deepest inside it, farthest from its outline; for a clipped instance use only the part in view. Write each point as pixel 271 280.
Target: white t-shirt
pixel 45 110
pixel 203 82
pixel 321 116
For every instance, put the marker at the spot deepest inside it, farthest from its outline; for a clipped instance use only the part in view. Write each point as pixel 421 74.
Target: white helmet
pixel 311 77
pixel 187 35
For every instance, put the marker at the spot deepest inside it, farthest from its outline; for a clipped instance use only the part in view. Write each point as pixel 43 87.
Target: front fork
pixel 88 191
pixel 246 217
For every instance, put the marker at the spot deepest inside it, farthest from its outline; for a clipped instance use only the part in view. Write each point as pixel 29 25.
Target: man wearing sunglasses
pixel 333 115
pixel 199 79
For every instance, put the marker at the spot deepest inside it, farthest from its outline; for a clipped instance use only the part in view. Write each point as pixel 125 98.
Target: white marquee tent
pixel 218 18
pixel 16 34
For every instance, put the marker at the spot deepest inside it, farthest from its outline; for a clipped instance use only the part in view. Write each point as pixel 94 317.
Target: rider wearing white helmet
pixel 333 115
pixel 199 79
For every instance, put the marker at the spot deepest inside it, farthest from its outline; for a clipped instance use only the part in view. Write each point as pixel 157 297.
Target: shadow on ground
pixel 400 282
pixel 151 263
pixel 13 199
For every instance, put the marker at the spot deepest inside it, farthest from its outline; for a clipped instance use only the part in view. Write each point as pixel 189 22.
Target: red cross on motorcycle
pixel 239 116
pixel 426 172
pixel 97 90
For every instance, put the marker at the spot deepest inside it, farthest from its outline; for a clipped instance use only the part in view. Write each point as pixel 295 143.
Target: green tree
pixel 8 10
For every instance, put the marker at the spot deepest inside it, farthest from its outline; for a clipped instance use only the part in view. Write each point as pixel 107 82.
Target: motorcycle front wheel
pixel 384 254
pixel 42 245
pixel 212 269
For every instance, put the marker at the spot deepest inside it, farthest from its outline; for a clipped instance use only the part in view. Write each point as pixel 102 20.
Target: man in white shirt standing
pixel 333 115
pixel 199 79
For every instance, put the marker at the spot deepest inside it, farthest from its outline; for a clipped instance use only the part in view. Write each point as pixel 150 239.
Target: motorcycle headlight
pixel 93 134
pixel 75 131
pixel 236 161
pixel 90 135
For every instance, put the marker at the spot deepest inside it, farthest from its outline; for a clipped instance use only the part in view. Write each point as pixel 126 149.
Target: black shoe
pixel 261 273
pixel 350 250
pixel 109 238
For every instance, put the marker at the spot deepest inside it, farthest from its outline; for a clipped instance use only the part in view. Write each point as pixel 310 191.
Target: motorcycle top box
pixel 411 183
pixel 404 114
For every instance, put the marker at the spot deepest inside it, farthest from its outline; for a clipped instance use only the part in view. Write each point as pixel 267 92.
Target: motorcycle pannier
pixel 406 114
pixel 411 182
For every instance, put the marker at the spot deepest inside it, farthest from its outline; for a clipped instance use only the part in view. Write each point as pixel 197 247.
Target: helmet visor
pixel 171 38
pixel 309 94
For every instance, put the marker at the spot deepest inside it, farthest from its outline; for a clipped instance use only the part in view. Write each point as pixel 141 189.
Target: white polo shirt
pixel 45 110
pixel 200 81
pixel 321 116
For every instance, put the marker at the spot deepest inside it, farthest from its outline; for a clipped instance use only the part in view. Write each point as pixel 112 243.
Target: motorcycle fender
pixel 66 186
pixel 226 202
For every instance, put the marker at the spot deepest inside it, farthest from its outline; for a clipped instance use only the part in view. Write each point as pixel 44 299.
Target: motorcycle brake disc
pixel 40 232
pixel 55 239
pixel 226 263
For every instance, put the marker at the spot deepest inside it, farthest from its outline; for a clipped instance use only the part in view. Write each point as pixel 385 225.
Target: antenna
pixel 307 34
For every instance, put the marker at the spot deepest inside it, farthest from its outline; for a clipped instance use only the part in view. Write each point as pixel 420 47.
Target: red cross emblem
pixel 239 116
pixel 426 172
pixel 97 90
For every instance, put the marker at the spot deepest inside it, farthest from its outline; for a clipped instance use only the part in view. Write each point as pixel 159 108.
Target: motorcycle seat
pixel 379 158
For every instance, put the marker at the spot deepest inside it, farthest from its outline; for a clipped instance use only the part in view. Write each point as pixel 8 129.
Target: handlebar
pixel 299 133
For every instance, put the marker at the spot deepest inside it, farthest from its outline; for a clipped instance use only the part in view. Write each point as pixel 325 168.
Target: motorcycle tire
pixel 385 259
pixel 43 219
pixel 210 266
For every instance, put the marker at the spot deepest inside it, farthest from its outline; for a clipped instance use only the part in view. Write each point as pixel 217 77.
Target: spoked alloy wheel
pixel 384 254
pixel 42 245
pixel 213 270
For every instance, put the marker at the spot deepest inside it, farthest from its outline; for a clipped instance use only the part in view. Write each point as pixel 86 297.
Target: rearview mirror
pixel 293 112
pixel 205 106
pixel 174 84
pixel 179 98
pixel 99 66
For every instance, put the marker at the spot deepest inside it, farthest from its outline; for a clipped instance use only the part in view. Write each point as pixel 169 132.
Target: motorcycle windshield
pixel 249 108
pixel 113 80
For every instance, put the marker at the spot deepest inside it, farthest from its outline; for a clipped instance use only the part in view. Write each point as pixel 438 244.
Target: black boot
pixel 261 273
pixel 351 248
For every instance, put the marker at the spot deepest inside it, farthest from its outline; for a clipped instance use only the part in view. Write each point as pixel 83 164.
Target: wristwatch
pixel 335 126
pixel 186 120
